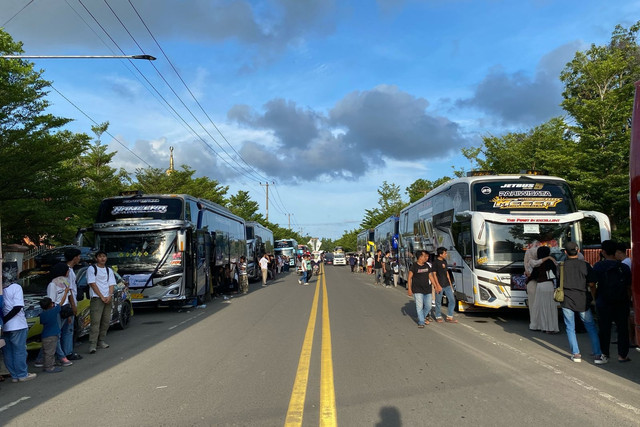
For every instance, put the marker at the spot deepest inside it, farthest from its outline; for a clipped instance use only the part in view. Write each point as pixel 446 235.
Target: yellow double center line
pixel 327 392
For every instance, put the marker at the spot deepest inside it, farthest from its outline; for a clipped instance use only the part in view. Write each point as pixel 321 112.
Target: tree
pixel 39 191
pixel 390 203
pixel 242 205
pixel 155 180
pixel 599 89
pixel 547 147
pixel 421 187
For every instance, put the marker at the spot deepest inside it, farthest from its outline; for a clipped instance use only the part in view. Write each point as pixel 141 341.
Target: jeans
pixel 590 326
pixel 423 306
pixel 448 291
pixel 15 352
pixel 378 273
pixel 66 336
pixel 304 278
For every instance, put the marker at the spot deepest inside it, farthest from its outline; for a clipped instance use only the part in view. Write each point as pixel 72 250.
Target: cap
pixel 571 248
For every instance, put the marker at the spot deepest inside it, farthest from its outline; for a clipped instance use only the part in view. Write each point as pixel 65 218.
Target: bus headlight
pixel 486 294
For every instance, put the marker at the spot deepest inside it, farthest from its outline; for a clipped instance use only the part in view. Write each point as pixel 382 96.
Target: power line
pixel 158 92
pixel 241 172
pixel 250 168
pixel 96 123
pixel 17 13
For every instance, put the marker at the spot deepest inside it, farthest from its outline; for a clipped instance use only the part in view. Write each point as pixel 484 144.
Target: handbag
pixel 66 311
pixel 558 294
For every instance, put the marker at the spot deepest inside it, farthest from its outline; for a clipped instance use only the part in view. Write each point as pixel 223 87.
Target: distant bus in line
pixel 287 247
pixel 259 241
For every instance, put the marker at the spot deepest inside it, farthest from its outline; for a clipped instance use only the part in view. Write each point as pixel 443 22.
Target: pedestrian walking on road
pixel 578 283
pixel 419 286
pixel 442 282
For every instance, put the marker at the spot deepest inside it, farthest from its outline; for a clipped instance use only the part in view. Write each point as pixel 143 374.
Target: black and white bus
pixel 172 248
pixel 365 241
pixel 386 235
pixel 486 223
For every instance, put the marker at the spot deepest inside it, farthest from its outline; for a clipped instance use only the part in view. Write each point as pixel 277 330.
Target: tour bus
pixel 365 241
pixel 171 248
pixel 259 241
pixel 287 247
pixel 487 222
pixel 386 235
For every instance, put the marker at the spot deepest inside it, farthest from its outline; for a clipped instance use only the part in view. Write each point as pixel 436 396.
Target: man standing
pixel 386 269
pixel 102 281
pixel 419 286
pixel 352 262
pixel 613 298
pixel 14 332
pixel 578 282
pixel 377 266
pixel 242 275
pixel 442 283
pixel 72 258
pixel 264 268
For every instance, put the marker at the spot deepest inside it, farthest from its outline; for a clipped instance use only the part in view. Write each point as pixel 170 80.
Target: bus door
pixel 462 264
pixel 202 257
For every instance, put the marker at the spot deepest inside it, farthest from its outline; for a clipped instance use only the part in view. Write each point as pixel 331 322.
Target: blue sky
pixel 325 100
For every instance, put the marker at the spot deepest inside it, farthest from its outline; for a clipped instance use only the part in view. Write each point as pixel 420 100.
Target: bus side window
pixel 461 232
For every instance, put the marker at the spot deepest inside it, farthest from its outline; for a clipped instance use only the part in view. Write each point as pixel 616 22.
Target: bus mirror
pixel 463 216
pixel 478 230
pixel 181 241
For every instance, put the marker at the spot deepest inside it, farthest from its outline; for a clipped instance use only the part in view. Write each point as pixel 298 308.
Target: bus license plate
pixel 137 296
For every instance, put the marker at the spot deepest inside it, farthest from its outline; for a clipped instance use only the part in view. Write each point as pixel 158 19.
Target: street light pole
pixel 147 57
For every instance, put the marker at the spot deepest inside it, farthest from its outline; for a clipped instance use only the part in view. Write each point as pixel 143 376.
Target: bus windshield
pixel 140 251
pixel 506 244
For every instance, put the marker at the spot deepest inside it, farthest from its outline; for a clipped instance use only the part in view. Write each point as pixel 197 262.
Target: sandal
pixel 426 321
pixel 626 359
pixel 451 320
pixel 439 319
pixel 420 326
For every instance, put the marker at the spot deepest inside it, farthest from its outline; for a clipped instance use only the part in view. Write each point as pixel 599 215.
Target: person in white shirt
pixel 101 280
pixel 14 332
pixel 72 258
pixel 264 267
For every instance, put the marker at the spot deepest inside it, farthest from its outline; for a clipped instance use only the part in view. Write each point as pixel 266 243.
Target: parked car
pixel 34 284
pixel 50 257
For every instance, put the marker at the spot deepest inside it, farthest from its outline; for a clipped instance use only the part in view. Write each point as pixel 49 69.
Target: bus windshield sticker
pixel 531 228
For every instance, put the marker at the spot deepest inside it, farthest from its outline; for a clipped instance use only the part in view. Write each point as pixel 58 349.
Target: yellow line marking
pixel 298 394
pixel 328 415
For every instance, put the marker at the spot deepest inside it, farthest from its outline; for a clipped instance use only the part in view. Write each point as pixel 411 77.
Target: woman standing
pixel 544 306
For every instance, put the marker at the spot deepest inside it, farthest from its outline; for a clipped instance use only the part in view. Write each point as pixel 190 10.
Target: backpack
pixel 615 286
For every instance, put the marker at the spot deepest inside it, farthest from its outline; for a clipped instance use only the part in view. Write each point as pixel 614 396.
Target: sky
pixel 324 100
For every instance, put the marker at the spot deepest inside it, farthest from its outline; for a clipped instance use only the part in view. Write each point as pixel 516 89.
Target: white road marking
pixel 555 370
pixel 9 405
pixel 186 320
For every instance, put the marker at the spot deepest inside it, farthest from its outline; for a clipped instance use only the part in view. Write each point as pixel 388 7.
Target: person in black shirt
pixel 440 277
pixel 377 265
pixel 419 286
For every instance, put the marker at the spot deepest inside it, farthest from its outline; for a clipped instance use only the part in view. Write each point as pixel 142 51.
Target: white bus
pixel 259 241
pixel 486 223
pixel 288 248
pixel 171 248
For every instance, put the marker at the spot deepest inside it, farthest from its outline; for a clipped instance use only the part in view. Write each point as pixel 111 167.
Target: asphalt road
pixel 257 360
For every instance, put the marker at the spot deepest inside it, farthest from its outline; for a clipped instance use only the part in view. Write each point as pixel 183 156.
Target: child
pixel 50 320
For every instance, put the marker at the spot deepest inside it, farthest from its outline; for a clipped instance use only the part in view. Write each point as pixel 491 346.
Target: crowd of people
pixel 59 309
pixel 605 288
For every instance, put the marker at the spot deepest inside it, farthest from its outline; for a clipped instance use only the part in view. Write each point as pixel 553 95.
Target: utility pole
pixel 289 227
pixel 267 185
